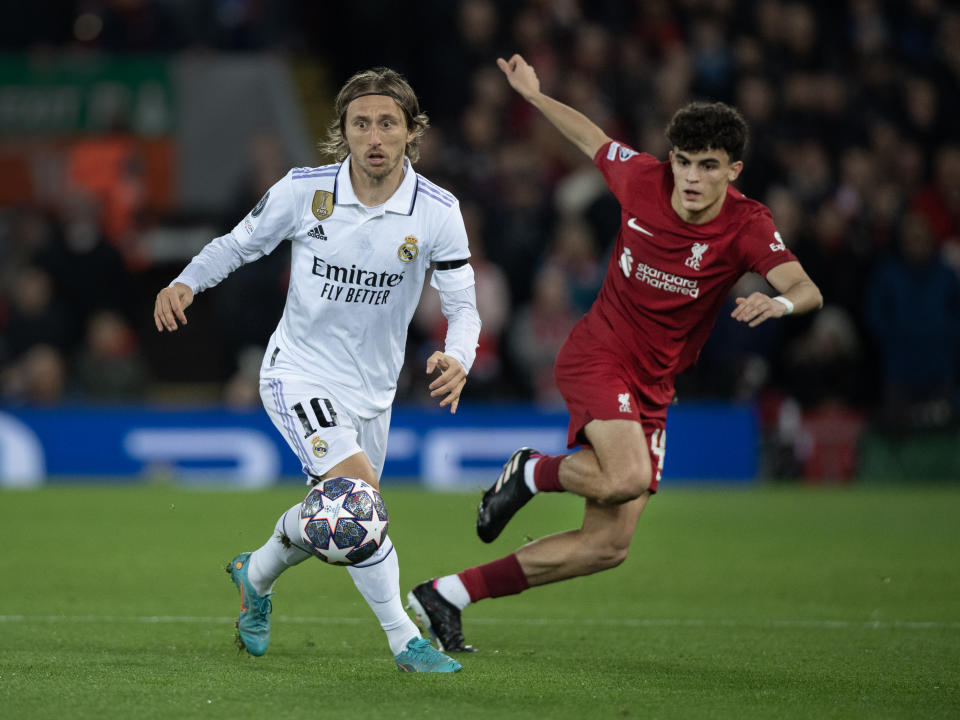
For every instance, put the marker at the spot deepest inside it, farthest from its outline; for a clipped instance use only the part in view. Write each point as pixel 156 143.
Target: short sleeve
pixel 453 280
pixel 620 166
pixel 761 244
pixel 450 242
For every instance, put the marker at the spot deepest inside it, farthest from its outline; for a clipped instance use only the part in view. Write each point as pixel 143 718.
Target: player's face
pixel 700 182
pixel 376 132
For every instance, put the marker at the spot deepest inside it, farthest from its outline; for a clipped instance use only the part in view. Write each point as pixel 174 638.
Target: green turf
pixel 776 603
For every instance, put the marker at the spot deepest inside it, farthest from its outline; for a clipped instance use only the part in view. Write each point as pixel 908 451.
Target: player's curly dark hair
pixel 701 126
pixel 378 80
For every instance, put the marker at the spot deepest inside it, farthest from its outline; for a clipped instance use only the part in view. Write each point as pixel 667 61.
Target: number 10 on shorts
pixel 323 413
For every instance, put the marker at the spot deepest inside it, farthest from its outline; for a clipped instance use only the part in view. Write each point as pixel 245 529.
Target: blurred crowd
pixel 854 146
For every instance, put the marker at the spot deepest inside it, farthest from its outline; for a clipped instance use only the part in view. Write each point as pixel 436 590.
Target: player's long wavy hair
pixel 377 80
pixel 701 126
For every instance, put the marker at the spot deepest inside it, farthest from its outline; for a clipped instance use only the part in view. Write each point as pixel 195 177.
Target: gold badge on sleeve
pixel 322 205
pixel 408 251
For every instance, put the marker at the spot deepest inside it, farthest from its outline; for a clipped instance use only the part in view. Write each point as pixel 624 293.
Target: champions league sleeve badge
pixel 260 205
pixel 408 251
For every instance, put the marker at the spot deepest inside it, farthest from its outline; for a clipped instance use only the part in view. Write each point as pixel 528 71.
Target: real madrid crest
pixel 408 251
pixel 320 448
pixel 322 205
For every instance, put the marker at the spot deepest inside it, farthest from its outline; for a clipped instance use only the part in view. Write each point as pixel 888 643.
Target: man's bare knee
pixel 609 555
pixel 624 488
pixel 607 544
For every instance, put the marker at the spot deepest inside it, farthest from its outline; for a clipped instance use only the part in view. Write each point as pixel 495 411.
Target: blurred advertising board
pixel 67 95
pixel 705 443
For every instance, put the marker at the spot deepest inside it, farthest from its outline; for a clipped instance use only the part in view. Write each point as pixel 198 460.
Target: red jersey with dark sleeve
pixel 667 279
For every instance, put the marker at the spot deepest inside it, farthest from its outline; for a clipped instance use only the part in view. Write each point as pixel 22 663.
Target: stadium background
pixel 132 131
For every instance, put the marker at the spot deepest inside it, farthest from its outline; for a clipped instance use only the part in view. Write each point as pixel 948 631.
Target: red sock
pixel 495 579
pixel 546 473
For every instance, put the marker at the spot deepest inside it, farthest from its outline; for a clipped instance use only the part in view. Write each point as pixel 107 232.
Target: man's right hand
pixel 521 76
pixel 171 302
pixel 575 126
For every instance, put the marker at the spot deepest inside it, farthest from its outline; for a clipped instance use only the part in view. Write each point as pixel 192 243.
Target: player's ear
pixel 735 169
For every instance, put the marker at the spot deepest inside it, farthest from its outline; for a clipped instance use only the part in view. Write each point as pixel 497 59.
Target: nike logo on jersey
pixel 317 233
pixel 632 222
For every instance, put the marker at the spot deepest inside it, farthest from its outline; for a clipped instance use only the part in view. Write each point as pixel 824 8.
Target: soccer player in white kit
pixel 364 231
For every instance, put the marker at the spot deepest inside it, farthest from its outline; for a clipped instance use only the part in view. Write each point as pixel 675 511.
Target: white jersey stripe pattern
pixel 314 170
pixel 424 183
pixel 280 404
pixel 440 199
pixel 317 173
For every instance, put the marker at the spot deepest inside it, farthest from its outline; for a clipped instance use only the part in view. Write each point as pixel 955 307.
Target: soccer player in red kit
pixel 686 236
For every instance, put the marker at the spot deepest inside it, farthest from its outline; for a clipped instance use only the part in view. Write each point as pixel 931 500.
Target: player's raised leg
pixel 623 474
pixel 618 464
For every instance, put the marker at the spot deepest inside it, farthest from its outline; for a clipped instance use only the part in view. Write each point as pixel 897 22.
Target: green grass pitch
pixel 767 603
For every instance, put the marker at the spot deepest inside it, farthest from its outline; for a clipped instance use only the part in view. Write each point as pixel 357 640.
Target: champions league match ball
pixel 343 520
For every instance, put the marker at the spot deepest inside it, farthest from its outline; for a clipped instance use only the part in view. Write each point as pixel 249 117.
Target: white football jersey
pixel 355 278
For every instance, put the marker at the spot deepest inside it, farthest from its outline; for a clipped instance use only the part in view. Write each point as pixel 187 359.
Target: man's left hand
pixel 756 308
pixel 451 381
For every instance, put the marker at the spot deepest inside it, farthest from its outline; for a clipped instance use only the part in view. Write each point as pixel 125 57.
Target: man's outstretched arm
pixel 798 294
pixel 574 125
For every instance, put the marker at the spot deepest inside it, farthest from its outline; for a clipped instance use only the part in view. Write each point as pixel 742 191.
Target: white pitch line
pixel 606 622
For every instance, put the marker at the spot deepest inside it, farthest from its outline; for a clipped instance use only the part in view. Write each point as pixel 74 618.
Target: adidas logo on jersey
pixel 317 233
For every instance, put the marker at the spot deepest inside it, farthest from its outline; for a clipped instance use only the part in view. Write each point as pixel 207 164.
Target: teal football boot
pixel 421 656
pixel 253 625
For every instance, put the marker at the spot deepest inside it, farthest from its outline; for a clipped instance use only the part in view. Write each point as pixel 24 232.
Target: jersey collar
pixel 401 202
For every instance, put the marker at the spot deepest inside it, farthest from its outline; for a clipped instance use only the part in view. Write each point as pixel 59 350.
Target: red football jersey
pixel 667 279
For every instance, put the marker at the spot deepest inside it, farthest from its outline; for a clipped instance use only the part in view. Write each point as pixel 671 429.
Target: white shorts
pixel 320 430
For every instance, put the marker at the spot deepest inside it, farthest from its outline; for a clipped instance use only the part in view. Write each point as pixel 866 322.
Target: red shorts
pixel 596 385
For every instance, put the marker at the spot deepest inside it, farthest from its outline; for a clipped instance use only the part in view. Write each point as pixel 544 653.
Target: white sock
pixel 528 474
pixel 284 549
pixel 378 580
pixel 453 590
